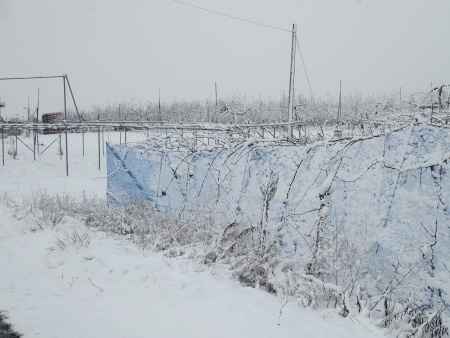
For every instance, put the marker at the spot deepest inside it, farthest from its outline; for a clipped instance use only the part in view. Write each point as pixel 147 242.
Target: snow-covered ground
pixel 111 288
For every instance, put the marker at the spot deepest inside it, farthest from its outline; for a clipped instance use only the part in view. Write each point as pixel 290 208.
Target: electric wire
pixel 233 17
pixel 306 73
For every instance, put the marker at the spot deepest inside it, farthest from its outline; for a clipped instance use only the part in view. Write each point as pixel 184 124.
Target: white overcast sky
pixel 114 50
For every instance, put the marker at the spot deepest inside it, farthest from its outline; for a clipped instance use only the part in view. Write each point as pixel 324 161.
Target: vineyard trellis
pixel 304 130
pixel 191 133
pixel 233 120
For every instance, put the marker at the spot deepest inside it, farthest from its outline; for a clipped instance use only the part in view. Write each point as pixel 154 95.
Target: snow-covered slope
pixel 392 190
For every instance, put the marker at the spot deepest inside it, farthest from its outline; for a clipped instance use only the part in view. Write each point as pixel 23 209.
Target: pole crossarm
pixel 31 77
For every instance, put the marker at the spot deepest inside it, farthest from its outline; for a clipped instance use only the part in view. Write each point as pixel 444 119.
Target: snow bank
pixel 111 288
pixel 393 190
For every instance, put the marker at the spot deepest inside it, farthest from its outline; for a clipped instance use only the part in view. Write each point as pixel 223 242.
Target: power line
pixel 233 17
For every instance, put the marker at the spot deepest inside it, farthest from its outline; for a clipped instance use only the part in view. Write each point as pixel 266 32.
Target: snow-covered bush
pixel 329 276
pixel 136 220
pixel 12 151
pixel 74 238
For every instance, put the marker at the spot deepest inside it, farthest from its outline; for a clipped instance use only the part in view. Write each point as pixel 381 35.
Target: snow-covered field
pixel 110 287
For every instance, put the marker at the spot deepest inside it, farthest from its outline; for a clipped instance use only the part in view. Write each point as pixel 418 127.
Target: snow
pixel 385 189
pixel 111 288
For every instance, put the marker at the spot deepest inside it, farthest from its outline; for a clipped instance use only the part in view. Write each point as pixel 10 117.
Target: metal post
pixel 82 138
pixel 125 129
pixel 103 142
pixel 159 105
pixel 120 128
pixel 65 125
pixel 146 115
pixel 339 108
pixel 17 130
pixel 37 131
pixel 291 80
pixel 98 136
pixel 60 147
pixel 215 85
pixel 432 106
pixel 34 144
pixel 27 133
pixel 3 147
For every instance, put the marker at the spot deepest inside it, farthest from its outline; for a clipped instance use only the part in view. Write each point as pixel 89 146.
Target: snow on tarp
pixel 393 188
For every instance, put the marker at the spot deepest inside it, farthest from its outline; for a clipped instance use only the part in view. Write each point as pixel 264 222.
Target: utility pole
pixel 291 80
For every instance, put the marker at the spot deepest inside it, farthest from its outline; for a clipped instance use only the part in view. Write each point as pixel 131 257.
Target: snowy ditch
pixel 361 224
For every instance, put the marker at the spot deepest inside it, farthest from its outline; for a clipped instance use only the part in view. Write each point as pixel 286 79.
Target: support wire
pixel 306 73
